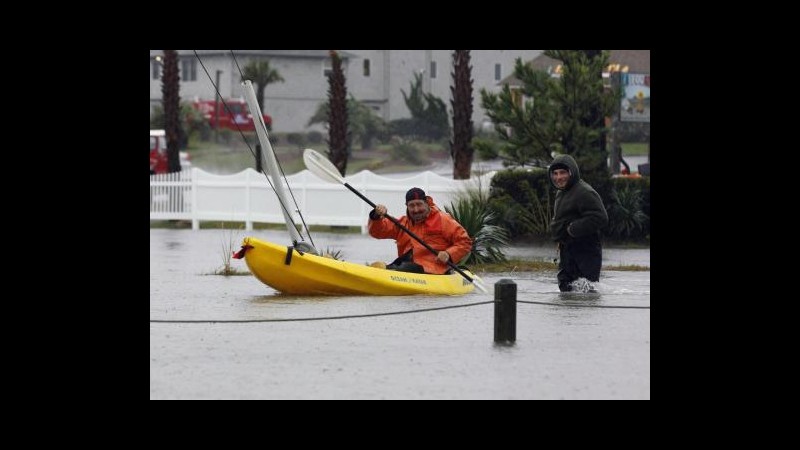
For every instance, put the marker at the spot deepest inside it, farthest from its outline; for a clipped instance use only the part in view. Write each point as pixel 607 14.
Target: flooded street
pixel 569 346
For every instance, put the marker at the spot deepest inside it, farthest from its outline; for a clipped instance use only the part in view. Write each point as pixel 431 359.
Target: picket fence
pixel 248 196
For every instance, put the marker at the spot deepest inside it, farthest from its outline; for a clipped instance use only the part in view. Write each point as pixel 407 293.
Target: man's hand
pixel 443 256
pixel 380 210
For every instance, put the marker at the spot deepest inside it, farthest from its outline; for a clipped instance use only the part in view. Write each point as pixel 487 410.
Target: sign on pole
pixel 635 105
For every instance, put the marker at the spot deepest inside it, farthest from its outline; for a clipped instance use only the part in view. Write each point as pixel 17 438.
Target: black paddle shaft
pixel 410 233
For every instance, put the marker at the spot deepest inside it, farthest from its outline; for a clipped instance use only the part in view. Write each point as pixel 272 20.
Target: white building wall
pixel 370 89
pixel 398 66
pixel 292 103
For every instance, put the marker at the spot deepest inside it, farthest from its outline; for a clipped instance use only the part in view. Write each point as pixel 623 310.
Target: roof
pixel 315 54
pixel 638 61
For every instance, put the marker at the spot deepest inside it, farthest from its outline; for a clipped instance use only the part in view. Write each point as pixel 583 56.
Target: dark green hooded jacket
pixel 578 206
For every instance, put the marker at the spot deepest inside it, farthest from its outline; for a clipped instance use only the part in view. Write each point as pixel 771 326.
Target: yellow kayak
pixel 288 271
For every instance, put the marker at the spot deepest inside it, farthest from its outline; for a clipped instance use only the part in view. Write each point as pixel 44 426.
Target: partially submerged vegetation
pixel 524 265
pixel 229 242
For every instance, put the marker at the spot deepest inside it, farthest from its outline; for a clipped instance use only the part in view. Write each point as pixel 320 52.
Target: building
pixel 636 61
pixel 374 77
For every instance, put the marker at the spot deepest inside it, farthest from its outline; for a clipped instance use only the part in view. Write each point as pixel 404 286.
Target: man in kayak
pixel 578 216
pixel 432 225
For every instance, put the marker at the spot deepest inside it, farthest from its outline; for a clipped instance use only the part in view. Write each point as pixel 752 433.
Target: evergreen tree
pixel 559 114
pixel 461 146
pixel 429 118
pixel 170 89
pixel 337 122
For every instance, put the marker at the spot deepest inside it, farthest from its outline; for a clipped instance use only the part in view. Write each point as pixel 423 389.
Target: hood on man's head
pixel 415 193
pixel 558 166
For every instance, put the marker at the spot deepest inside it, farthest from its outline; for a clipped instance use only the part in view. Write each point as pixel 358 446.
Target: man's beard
pixel 418 217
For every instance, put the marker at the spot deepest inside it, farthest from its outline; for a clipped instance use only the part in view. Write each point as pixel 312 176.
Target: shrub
pixel 406 151
pixel 523 201
pixel 314 137
pixel 625 216
pixel 297 139
pixel 472 211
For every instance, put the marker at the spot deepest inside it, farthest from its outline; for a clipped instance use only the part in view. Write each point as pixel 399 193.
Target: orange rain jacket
pixel 439 230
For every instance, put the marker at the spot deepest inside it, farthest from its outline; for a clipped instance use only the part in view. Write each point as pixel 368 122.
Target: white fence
pixel 248 197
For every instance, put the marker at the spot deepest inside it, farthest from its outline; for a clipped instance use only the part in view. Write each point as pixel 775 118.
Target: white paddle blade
pixel 320 166
pixel 479 284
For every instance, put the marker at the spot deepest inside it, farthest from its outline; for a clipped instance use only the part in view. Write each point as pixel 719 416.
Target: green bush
pixel 625 216
pixel 472 211
pixel 407 151
pixel 629 208
pixel 418 129
pixel 522 199
pixel 297 139
pixel 314 137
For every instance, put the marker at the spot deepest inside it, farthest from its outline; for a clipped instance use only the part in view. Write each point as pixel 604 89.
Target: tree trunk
pixel 170 89
pixel 260 98
pixel 461 146
pixel 337 121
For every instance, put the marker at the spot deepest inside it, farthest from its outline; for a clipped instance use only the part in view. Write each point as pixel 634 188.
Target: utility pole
pixel 216 108
pixel 615 147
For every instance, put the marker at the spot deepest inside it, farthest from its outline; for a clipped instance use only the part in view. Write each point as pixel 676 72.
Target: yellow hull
pixel 315 275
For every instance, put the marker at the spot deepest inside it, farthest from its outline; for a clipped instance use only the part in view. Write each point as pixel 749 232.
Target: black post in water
pixel 505 311
pixel 259 169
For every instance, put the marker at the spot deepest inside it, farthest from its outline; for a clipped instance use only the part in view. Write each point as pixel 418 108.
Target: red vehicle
pixel 239 114
pixel 158 153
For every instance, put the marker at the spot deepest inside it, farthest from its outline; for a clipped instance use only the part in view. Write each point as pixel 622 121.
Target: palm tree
pixel 337 126
pixel 461 146
pixel 364 125
pixel 259 72
pixel 170 89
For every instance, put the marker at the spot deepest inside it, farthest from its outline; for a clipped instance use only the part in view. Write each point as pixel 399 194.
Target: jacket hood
pixel 568 161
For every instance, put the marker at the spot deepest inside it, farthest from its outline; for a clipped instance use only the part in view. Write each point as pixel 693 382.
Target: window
pixel 189 70
pixel 327 67
pixel 433 69
pixel 366 67
pixel 156 69
pixel 497 72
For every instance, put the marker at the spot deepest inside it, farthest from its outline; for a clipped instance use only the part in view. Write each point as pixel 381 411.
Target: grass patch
pixel 515 265
pixel 215 225
pixel 171 224
pixel 234 156
pixel 628 268
pixel 634 149
pixel 525 265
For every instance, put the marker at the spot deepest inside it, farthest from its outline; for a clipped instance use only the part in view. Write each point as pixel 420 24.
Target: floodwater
pixel 568 346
